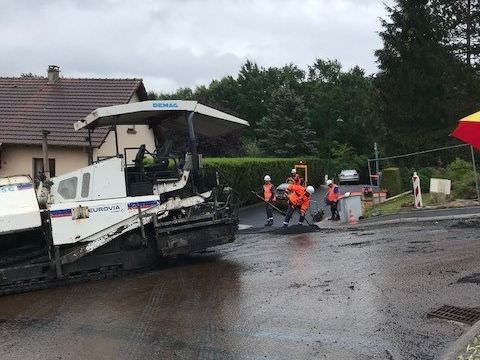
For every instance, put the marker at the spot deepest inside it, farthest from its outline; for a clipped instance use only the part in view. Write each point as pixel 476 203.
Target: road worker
pixel 333 194
pixel 298 199
pixel 269 197
pixel 292 175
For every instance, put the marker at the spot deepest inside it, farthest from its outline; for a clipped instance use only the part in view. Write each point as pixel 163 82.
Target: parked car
pixel 348 177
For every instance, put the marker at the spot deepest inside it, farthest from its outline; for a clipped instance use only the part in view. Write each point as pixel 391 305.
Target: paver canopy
pixel 170 114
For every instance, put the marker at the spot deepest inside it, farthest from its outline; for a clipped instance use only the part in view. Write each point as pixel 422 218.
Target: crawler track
pixel 49 282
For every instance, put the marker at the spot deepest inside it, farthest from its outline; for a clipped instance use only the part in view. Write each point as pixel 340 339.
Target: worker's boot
pixel 285 225
pixel 301 220
pixel 269 222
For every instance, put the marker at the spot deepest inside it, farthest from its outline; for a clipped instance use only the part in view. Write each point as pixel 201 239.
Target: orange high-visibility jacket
pixel 305 203
pixel 299 197
pixel 333 193
pixel 269 192
pixel 296 193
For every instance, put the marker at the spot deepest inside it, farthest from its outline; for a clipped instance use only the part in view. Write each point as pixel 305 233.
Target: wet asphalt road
pixel 342 295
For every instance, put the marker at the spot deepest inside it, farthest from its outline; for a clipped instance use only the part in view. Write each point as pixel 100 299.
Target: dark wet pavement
pixel 343 295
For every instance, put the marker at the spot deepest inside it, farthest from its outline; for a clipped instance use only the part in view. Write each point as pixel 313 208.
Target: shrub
pixel 463 179
pixel 251 148
pixel 391 181
pixel 459 171
pixel 425 175
pixel 246 174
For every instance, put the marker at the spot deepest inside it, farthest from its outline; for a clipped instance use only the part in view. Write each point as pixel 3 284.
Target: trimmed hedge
pixel 391 181
pixel 246 174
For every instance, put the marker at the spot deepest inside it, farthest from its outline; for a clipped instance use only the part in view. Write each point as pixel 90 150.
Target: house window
pixel 38 166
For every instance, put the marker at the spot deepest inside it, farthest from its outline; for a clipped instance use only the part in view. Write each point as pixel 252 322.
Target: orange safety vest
pixel 299 197
pixel 268 192
pixel 296 192
pixel 333 193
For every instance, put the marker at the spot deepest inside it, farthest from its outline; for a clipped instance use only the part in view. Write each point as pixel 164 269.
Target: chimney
pixel 53 73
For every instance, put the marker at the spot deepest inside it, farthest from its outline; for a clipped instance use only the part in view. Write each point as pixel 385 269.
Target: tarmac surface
pixel 332 295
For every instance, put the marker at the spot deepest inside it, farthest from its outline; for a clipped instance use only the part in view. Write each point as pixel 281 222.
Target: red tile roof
pixel 30 105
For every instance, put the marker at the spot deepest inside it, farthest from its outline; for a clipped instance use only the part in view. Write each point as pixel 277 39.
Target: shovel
pixel 273 206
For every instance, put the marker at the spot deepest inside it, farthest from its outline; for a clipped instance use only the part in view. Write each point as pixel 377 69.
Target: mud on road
pixel 336 295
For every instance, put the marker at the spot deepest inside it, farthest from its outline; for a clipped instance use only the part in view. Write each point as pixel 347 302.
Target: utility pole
pixel 475 173
pixel 377 165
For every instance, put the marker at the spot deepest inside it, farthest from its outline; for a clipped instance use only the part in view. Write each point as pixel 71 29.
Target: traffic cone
pixel 351 218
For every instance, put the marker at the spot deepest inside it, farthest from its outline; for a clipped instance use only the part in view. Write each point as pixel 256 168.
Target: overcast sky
pixel 180 43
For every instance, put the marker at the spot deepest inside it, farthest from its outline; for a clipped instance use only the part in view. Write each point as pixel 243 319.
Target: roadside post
pixel 475 173
pixel 417 191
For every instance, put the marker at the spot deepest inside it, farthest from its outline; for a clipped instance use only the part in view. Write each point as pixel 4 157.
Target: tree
pixel 180 94
pixel 30 75
pixel 422 88
pixel 331 94
pixel 461 21
pixel 285 132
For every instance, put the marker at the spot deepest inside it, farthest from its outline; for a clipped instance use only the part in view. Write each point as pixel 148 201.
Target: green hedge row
pixel 391 181
pixel 246 174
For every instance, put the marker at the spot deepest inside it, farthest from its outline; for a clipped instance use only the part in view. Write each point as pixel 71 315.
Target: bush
pixel 463 179
pixel 246 174
pixel 391 181
pixel 251 149
pixel 425 174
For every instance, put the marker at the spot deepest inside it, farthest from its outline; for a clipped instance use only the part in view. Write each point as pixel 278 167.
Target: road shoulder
pixel 466 347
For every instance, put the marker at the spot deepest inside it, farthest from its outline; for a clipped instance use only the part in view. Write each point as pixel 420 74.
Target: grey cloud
pixel 183 43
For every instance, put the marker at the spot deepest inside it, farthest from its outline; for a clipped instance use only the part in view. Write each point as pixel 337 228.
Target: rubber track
pixel 16 259
pixel 92 275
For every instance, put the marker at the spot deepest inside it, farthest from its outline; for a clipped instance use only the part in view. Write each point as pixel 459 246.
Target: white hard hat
pixel 310 189
pixel 267 178
pixel 329 182
pixel 294 171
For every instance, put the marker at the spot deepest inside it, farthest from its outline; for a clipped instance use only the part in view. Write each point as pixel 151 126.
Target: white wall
pixel 143 135
pixel 18 159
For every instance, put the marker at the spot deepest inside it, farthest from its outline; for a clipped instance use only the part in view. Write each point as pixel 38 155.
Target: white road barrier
pixel 417 191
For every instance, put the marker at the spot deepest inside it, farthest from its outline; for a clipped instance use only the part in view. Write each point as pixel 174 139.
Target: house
pixel 30 105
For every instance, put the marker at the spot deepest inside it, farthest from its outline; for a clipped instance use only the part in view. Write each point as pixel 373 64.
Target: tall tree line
pixel 428 78
pixel 317 99
pixel 424 84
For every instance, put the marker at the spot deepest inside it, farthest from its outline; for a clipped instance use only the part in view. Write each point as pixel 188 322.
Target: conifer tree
pixel 461 21
pixel 284 132
pixel 423 89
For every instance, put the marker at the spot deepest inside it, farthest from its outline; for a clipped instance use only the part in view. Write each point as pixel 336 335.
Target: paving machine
pixel 121 213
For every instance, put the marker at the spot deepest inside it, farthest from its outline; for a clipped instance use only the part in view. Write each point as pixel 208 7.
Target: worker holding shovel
pixel 298 199
pixel 269 197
